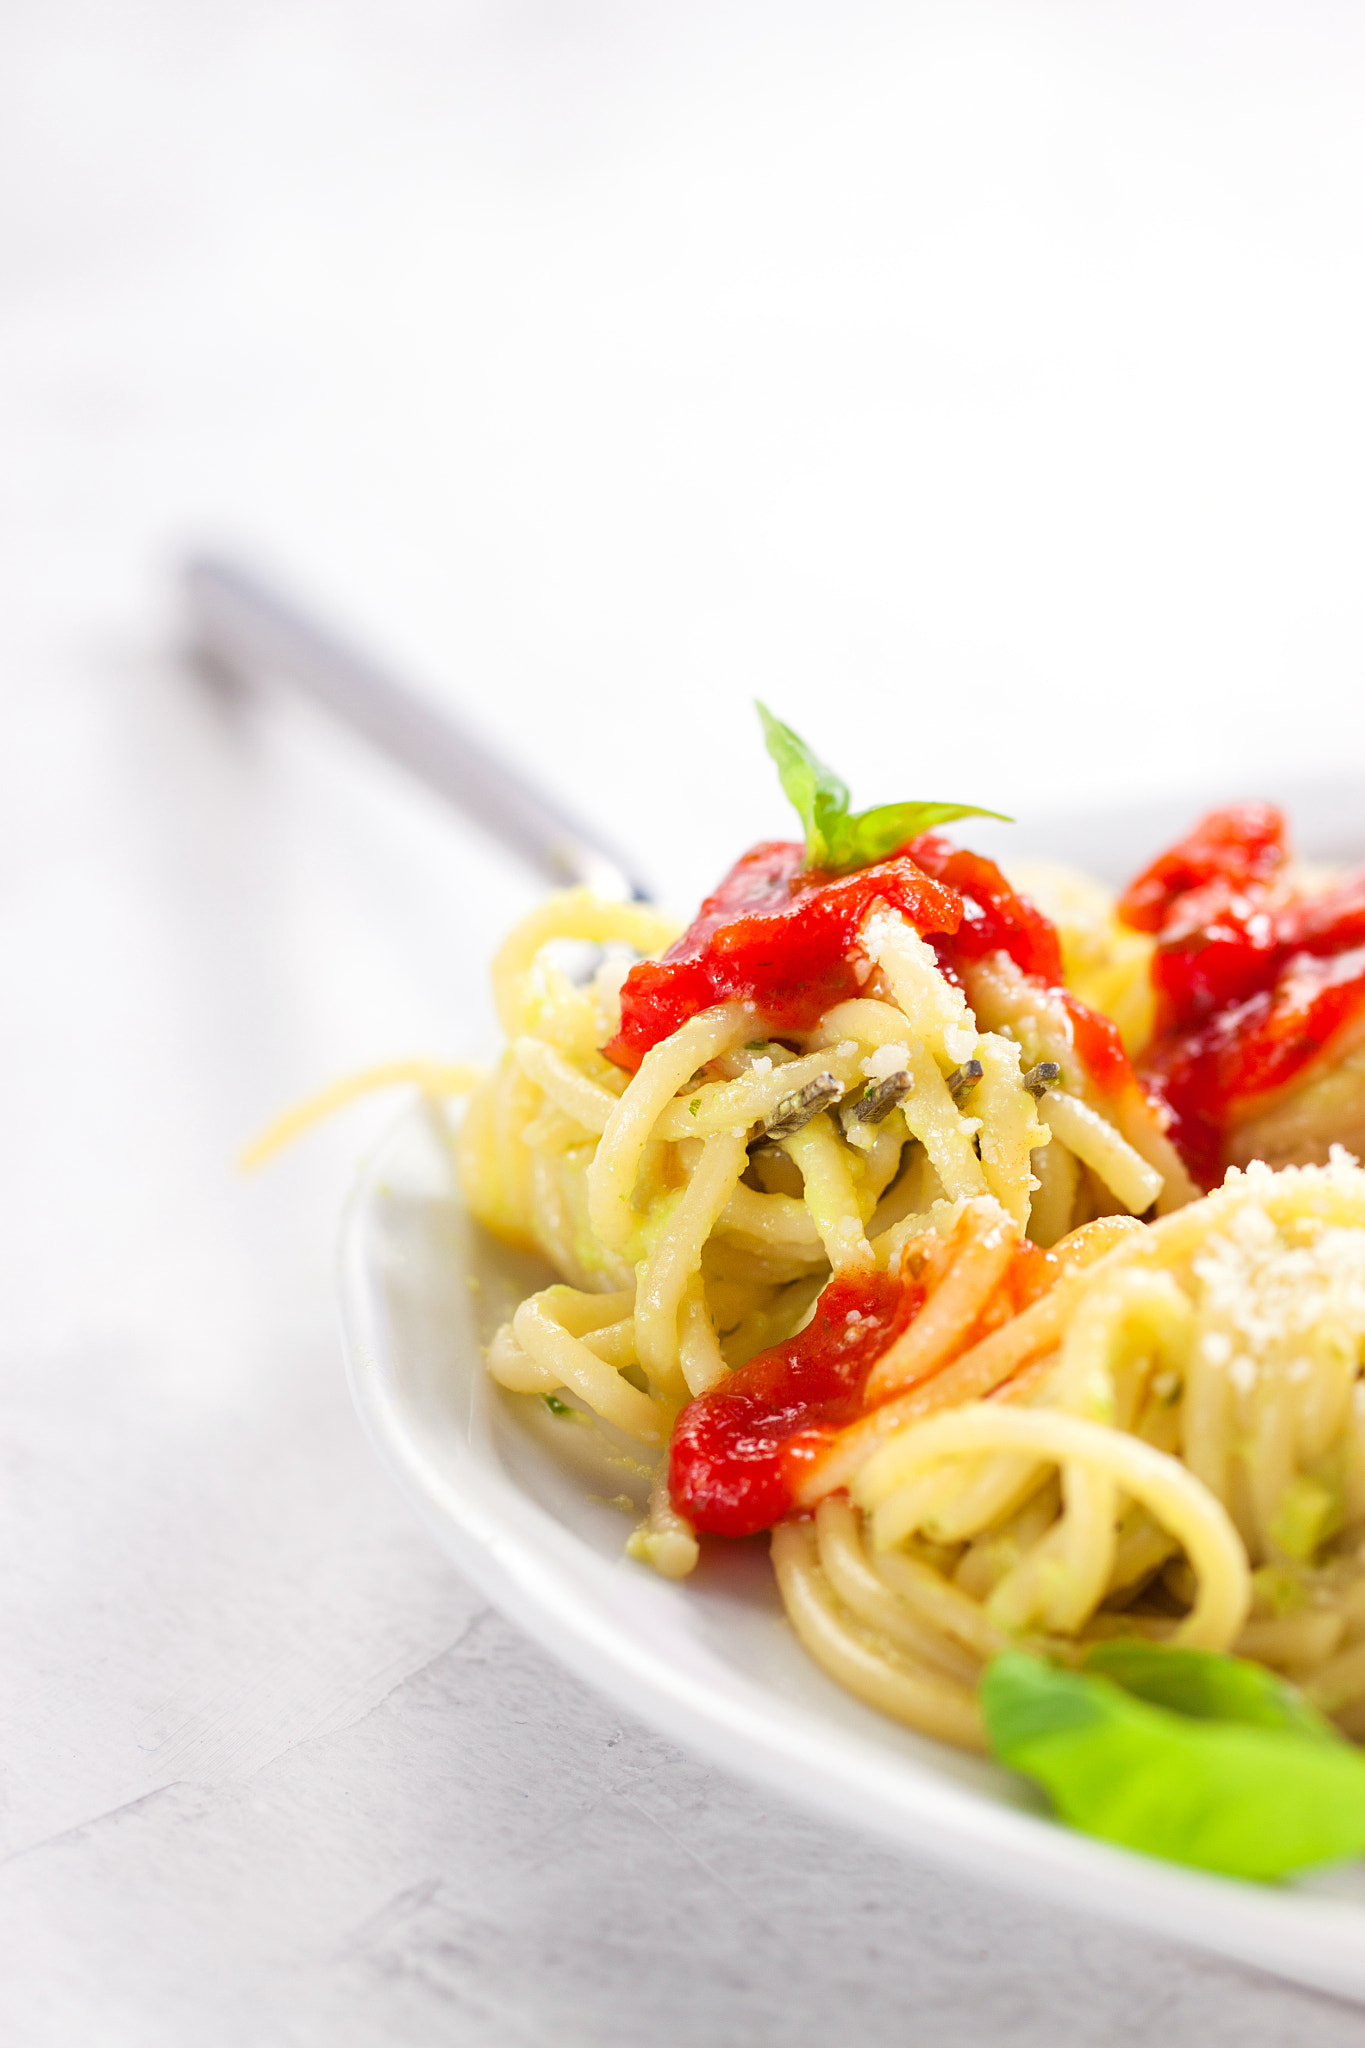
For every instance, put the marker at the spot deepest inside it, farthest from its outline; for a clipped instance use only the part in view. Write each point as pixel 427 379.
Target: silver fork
pixel 239 626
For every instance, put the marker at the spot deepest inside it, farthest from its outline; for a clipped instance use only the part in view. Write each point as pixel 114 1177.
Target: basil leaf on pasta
pixel 1236 1796
pixel 1209 1687
pixel 837 839
pixel 873 834
pixel 818 795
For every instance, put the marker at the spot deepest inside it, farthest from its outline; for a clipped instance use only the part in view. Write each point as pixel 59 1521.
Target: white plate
pixel 535 1512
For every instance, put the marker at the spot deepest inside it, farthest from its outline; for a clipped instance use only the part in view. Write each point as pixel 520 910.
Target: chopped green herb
pixel 556 1406
pixel 838 839
pixel 694 1105
pixel 1207 1760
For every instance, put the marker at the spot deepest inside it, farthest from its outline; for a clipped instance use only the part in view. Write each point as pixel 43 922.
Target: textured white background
pixel 979 383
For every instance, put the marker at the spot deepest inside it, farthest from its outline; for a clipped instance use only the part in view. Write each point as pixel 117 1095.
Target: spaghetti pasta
pixel 1059 1427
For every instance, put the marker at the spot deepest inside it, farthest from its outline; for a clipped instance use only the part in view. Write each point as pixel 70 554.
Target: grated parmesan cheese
pixel 886 1061
pixel 1275 1295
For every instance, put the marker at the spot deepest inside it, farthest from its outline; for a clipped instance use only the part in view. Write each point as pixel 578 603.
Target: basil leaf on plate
pixel 1209 1687
pixel 1245 1796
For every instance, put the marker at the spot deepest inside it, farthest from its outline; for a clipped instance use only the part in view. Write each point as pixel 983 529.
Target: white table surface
pixel 954 378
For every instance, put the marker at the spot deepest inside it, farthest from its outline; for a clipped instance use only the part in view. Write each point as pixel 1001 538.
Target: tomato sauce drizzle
pixel 728 1469
pixel 1100 1048
pixel 786 937
pixel 779 936
pixel 739 1451
pixel 1252 983
pixel 995 917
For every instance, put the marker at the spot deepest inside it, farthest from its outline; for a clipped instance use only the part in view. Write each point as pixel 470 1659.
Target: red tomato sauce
pixel 1030 1273
pixel 777 936
pixel 1099 1046
pixel 995 918
pixel 1252 984
pixel 738 1451
pixel 1239 846
pixel 728 1461
pixel 786 938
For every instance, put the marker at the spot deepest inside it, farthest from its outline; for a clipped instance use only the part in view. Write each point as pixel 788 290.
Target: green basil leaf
pixel 1209 1687
pixel 819 797
pixel 1249 1800
pixel 878 832
pixel 835 839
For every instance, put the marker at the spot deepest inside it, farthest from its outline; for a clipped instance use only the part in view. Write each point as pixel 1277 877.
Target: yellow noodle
pixel 1138 1310
pixel 496 1168
pixel 830 1194
pixel 868 1596
pixel 1063 1578
pixel 1010 1129
pixel 1005 1536
pixel 984 1245
pixel 782 1222
pixel 1054 1201
pixel 433 1077
pixel 919 1696
pixel 540 1330
pixel 567 1086
pixel 516 1370
pixel 960 1498
pixel 946 1134
pixel 868 1021
pixel 664 1540
pixel 937 1012
pixel 978 1372
pixel 700 1357
pixel 940 1603
pixel 550 1130
pixel 1160 1482
pixel 1005 998
pixel 677 1256
pixel 1094 1140
pixel 663 1071
pixel 1293 1641
pixel 1338 1683
pixel 572 914
pixel 753 1097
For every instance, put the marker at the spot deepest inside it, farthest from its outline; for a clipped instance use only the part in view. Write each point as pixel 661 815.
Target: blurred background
pixel 980 384
pixel 989 370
